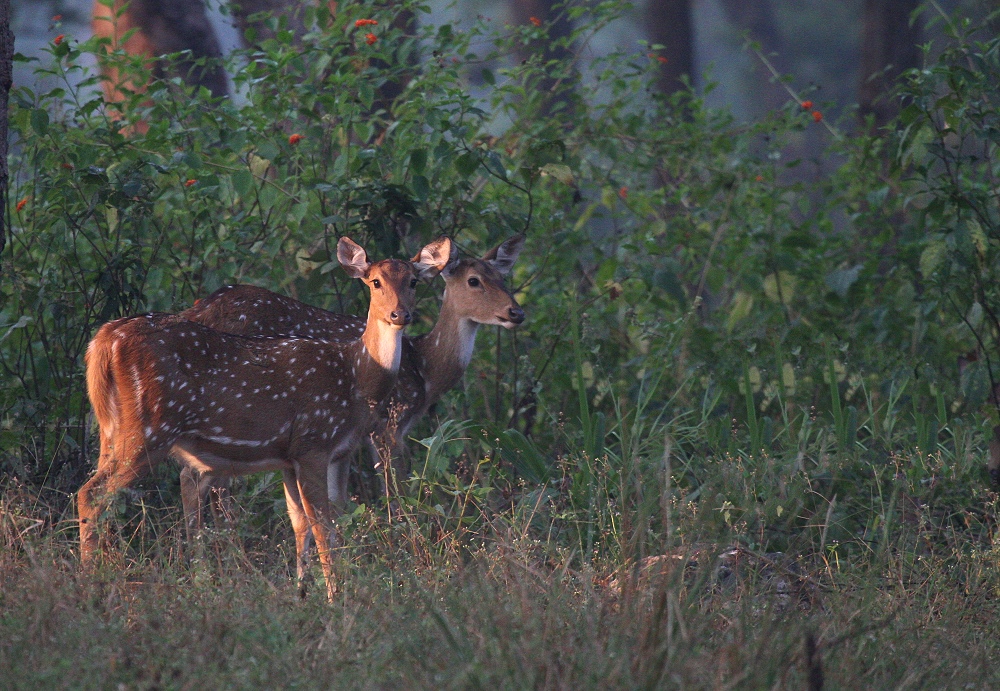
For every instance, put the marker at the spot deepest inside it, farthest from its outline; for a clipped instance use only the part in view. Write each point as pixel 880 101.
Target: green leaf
pixel 299 211
pixel 466 164
pixel 560 172
pixel 268 196
pixel 242 182
pixel 933 256
pixel 268 150
pixel 259 165
pixel 418 161
pixel 975 316
pixel 493 164
pixel 841 280
pixel 780 287
pixel 111 215
pixel 978 237
pixel 421 187
pixel 40 121
pixel 366 94
pixel 742 305
pixel 975 383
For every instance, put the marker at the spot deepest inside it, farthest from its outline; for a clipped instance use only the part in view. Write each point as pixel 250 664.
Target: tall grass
pixel 504 619
pixel 892 579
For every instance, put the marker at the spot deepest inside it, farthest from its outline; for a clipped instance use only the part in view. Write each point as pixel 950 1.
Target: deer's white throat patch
pixel 386 348
pixel 467 330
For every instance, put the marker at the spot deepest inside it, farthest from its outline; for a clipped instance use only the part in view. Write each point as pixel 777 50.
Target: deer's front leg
pixel 311 473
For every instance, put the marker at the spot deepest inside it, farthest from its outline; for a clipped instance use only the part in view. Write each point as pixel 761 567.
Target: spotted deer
pixel 232 405
pixel 431 364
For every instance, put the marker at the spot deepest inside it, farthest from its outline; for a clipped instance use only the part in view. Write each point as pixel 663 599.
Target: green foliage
pixel 723 344
pixel 948 157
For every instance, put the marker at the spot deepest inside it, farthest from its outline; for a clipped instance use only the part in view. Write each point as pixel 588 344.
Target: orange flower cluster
pixel 807 105
pixel 658 58
pixel 20 204
pixel 58 39
pixel 365 22
pixel 56 17
pixel 294 139
pixel 535 20
pixel 190 182
pixel 623 193
pixel 370 39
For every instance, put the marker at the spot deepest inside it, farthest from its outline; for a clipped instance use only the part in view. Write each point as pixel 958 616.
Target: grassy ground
pixel 508 602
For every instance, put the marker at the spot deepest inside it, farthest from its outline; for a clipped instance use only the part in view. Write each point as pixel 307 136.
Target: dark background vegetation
pixel 761 345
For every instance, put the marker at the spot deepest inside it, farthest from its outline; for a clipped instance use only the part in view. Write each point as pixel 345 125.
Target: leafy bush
pixel 712 324
pixel 728 351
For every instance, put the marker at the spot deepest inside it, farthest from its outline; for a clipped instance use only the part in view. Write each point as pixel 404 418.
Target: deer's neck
pixel 445 352
pixel 376 361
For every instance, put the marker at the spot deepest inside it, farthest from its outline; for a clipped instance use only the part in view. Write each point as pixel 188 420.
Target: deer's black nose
pixel 516 314
pixel 401 317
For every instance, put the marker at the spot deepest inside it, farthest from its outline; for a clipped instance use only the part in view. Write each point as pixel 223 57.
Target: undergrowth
pixel 730 447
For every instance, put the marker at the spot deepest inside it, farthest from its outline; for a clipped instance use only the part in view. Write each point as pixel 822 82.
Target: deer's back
pixel 190 380
pixel 253 311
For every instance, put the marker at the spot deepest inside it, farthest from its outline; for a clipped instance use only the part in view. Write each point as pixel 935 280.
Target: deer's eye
pixel 377 283
pixel 413 283
pixel 474 282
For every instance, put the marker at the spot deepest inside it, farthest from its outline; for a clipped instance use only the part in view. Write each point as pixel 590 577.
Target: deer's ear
pixel 503 256
pixel 431 260
pixel 352 257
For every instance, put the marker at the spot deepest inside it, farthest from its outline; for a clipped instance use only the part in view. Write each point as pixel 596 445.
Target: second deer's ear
pixel 503 256
pixel 431 260
pixel 352 257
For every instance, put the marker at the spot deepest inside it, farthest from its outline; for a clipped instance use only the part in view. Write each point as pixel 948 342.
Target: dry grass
pixel 507 611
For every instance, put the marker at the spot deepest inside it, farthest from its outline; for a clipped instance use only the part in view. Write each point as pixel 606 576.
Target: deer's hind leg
pixel 124 460
pixel 200 489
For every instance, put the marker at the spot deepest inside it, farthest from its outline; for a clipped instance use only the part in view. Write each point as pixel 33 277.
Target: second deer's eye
pixel 377 283
pixel 474 282
pixel 413 283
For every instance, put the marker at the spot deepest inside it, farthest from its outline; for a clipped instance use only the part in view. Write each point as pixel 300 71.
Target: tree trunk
pixel 553 13
pixel 406 22
pixel 178 25
pixel 6 81
pixel 669 25
pixel 758 20
pixel 162 26
pixel 291 10
pixel 888 48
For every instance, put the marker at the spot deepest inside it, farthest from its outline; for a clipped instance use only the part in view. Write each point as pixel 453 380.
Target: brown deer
pixel 431 364
pixel 232 405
